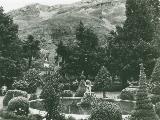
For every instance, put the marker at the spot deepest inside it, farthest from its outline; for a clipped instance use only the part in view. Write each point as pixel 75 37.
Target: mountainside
pixel 60 21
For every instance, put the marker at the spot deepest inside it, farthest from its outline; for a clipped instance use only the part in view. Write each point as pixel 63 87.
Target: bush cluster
pixel 67 93
pixel 12 116
pixel 106 111
pixel 19 105
pixel 13 93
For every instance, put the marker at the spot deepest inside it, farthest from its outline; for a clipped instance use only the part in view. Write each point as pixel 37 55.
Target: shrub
pixel 19 105
pixel 81 89
pixel 33 97
pixel 106 111
pixel 87 101
pixel 155 87
pixel 20 85
pixel 13 93
pixel 157 108
pixel 155 98
pixel 128 94
pixel 67 93
pixel 37 104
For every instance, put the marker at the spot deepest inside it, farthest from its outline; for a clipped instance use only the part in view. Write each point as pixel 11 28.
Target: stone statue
pixel 88 85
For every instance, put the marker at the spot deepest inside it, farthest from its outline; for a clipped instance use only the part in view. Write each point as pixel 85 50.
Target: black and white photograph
pixel 79 59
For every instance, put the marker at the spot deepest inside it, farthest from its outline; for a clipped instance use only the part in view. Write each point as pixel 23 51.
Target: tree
pixel 144 109
pixel 51 95
pixel 103 80
pixel 10 50
pixel 82 56
pixel 31 49
pixel 33 78
pixel 132 44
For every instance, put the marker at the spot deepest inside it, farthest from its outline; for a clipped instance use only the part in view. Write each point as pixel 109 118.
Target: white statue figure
pixel 46 64
pixel 88 85
pixel 3 89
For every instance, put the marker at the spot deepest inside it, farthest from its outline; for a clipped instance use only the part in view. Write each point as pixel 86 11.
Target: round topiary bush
pixel 157 108
pixel 128 94
pixel 20 85
pixel 67 93
pixel 106 111
pixel 13 93
pixel 19 105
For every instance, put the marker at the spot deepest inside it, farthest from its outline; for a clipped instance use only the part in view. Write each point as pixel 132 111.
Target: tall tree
pixel 86 53
pixel 132 43
pixel 10 50
pixel 82 56
pixel 31 49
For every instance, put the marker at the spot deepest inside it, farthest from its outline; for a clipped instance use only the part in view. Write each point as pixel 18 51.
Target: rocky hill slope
pixel 61 20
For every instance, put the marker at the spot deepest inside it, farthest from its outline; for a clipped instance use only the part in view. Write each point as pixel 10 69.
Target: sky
pixel 15 4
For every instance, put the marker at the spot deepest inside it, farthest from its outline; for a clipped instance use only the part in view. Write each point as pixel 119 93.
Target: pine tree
pixel 103 80
pixel 144 109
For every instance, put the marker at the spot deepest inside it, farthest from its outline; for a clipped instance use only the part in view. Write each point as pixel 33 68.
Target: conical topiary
pixel 103 80
pixel 155 81
pixel 144 109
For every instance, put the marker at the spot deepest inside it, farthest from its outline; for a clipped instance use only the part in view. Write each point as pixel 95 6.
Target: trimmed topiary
pixel 155 78
pixel 103 80
pixel 19 105
pixel 144 108
pixel 106 111
pixel 67 93
pixel 13 93
pixel 128 94
pixel 157 108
